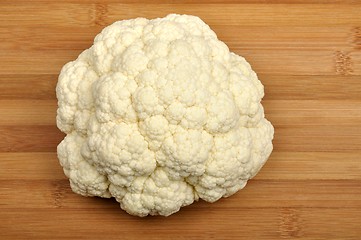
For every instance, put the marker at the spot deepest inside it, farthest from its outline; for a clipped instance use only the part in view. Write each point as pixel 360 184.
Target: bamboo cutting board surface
pixel 308 56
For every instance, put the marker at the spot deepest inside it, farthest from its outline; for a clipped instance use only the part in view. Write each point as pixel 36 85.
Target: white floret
pixel 85 179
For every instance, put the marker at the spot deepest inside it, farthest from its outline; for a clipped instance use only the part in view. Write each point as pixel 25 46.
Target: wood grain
pixel 306 53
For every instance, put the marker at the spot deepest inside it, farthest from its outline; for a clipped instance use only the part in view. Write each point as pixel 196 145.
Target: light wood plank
pixel 299 138
pixel 343 2
pixel 29 138
pixel 264 61
pixel 313 112
pixel 310 129
pixel 279 112
pixel 275 223
pixel 35 62
pixel 277 87
pixel 280 166
pixel 24 38
pixel 28 112
pixel 27 86
pixel 25 166
pixel 300 62
pixel 283 37
pixel 236 36
pixel 312 165
pixel 301 87
pixel 256 194
pixel 317 138
pixel 237 14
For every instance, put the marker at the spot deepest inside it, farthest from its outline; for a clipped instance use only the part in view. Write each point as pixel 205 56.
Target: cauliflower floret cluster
pixel 159 113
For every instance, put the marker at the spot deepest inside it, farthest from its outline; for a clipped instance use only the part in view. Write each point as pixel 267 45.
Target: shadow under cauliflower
pixel 159 113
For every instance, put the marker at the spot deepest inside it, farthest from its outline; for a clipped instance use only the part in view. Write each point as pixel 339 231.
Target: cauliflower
pixel 159 113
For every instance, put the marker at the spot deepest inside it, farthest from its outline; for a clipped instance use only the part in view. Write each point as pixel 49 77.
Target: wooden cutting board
pixel 307 55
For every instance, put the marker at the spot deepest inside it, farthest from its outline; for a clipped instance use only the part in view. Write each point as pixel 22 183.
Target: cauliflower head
pixel 159 113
